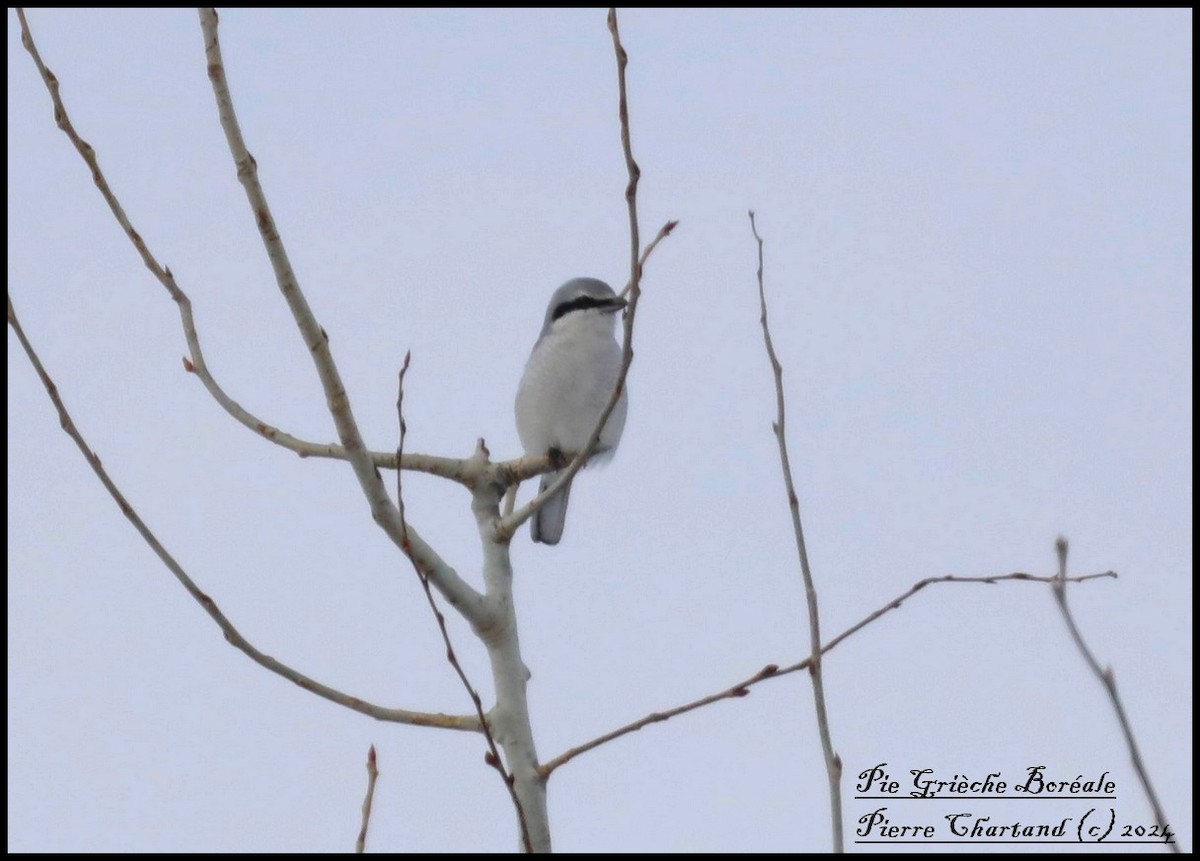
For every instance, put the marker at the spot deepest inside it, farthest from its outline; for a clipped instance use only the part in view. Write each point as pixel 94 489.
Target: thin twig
pixel 663 233
pixel 1109 680
pixel 232 635
pixel 631 166
pixel 360 845
pixel 833 762
pixel 772 671
pixel 492 757
pixel 400 454
pixel 506 526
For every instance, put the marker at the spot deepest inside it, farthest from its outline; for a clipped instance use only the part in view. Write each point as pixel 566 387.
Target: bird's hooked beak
pixel 615 304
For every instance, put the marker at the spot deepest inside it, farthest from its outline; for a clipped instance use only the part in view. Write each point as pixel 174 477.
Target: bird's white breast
pixel 567 383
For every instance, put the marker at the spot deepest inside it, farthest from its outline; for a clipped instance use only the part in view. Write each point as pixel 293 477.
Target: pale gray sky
pixel 979 261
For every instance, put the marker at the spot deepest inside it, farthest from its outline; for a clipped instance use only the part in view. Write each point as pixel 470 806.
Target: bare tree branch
pixel 631 166
pixel 232 635
pixel 372 775
pixel 457 591
pixel 492 757
pixel 833 762
pixel 663 233
pixel 1109 680
pixel 195 363
pixel 772 671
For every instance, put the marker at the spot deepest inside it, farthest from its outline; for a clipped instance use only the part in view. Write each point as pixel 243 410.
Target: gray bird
pixel 567 382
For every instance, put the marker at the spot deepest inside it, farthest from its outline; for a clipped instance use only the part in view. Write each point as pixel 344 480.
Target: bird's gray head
pixel 581 296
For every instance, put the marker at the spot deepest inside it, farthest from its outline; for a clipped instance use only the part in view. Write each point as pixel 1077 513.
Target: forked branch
pixel 457 591
pixel 773 671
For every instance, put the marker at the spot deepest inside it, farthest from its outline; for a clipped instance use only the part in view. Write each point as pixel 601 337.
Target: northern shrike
pixel 567 382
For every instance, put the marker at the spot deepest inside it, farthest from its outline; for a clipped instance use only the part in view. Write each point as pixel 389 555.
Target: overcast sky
pixel 979 263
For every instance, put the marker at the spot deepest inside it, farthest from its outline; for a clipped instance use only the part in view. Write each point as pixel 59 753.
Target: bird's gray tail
pixel 547 523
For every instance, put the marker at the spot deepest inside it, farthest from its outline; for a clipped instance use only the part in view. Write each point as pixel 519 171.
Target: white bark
pixel 509 719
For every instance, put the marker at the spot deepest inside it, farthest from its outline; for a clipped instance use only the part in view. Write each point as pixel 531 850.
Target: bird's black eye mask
pixel 582 303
